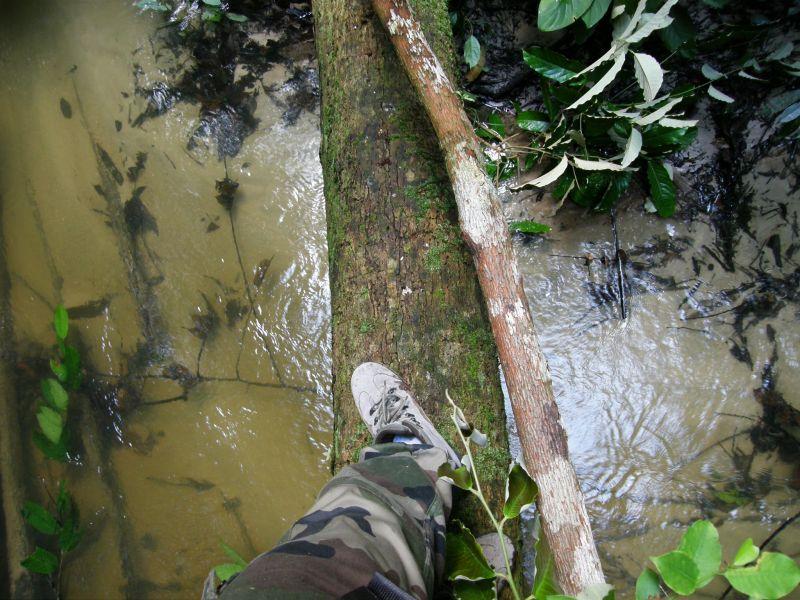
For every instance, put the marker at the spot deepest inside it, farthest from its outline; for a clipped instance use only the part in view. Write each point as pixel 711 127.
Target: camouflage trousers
pixel 376 531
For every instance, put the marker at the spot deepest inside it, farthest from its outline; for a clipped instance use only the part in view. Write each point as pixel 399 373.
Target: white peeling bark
pixel 544 442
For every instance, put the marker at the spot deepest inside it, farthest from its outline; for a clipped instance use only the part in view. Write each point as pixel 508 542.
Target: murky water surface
pixel 688 407
pixel 205 331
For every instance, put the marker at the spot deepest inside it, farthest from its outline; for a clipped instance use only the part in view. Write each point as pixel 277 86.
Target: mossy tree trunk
pixel 403 288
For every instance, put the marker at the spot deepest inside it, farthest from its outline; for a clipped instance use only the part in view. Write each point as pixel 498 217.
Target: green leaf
pixel 474 590
pixel 544 580
pixel 596 11
pixel 38 517
pixel 648 585
pixel 533 120
pixel 521 491
pixel 61 322
pixel 790 114
pixel 70 533
pixel 665 140
pixel 41 561
pixel 662 190
pixel 678 571
pixel 496 124
pixel 55 394
pixel 233 555
pixel 773 576
pixel 618 183
pixel 236 17
pixel 212 14
pixel 746 553
pixel 701 544
pixel 460 477
pixel 551 65
pixel 212 2
pixel 472 51
pixel 529 227
pixel 464 557
pixel 69 538
pixel 59 370
pixel 57 451
pixel 72 362
pixel 225 571
pixel 557 14
pixel 718 95
pixel 51 423
pixel 680 35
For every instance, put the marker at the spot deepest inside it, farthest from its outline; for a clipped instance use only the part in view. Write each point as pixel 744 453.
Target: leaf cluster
pixel 62 526
pixel 193 14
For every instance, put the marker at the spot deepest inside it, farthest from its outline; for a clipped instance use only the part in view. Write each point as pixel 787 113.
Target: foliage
pixel 226 571
pixel 691 566
pixel 195 14
pixel 600 125
pixel 61 525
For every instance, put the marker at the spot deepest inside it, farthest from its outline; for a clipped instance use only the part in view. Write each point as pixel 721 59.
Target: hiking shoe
pixel 388 408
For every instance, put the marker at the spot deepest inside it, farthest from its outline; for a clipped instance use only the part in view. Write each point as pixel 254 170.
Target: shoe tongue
pixel 387 433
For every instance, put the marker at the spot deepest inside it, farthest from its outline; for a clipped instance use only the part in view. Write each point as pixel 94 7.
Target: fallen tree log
pixel 544 442
pixel 403 288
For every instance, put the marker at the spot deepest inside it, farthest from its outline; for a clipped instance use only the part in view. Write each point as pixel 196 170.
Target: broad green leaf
pixel 648 585
pixel 532 120
pixel 649 74
pixel 680 34
pixel 496 124
pixel 632 148
pixel 557 14
pixel 652 22
pixel 38 517
pixel 664 140
pixel 617 184
pixel 550 176
pixel 701 544
pixel 55 394
pixel 474 590
pixel 589 190
pixel 790 114
pixel 551 65
pixel 657 114
pixel 50 422
pixel 236 17
pixel 746 553
pixel 717 95
pixel 41 561
pixel 602 83
pixel 72 362
pixel 227 570
pixel 596 11
pixel 61 322
pixel 678 571
pixel 464 557
pixel 596 165
pixel 529 227
pixel 710 72
pixel 233 555
pixel 472 51
pixel 59 370
pixel 773 576
pixel 69 537
pixel 459 477
pixel 662 190
pixel 677 123
pixel 544 580
pixel 57 451
pixel 212 2
pixel 212 14
pixel 521 491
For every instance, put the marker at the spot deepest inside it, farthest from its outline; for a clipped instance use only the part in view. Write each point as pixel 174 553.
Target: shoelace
pixel 390 409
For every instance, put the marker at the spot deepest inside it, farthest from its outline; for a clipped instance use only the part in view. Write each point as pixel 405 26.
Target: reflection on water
pixel 687 408
pixel 205 331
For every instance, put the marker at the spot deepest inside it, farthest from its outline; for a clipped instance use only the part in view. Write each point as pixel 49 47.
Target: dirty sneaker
pixel 388 409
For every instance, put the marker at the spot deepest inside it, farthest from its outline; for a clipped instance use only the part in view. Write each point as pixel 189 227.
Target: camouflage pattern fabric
pixel 378 524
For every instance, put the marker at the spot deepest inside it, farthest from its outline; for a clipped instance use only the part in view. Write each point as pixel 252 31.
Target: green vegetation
pixel 691 566
pixel 599 127
pixel 226 571
pixel 59 524
pixel 194 13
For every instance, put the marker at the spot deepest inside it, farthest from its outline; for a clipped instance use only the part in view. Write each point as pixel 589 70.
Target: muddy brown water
pixel 659 406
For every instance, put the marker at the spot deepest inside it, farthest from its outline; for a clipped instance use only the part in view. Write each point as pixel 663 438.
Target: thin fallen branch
pixel 544 442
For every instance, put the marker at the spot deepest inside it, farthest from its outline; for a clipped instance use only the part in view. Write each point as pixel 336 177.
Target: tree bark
pixel 403 288
pixel 544 442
